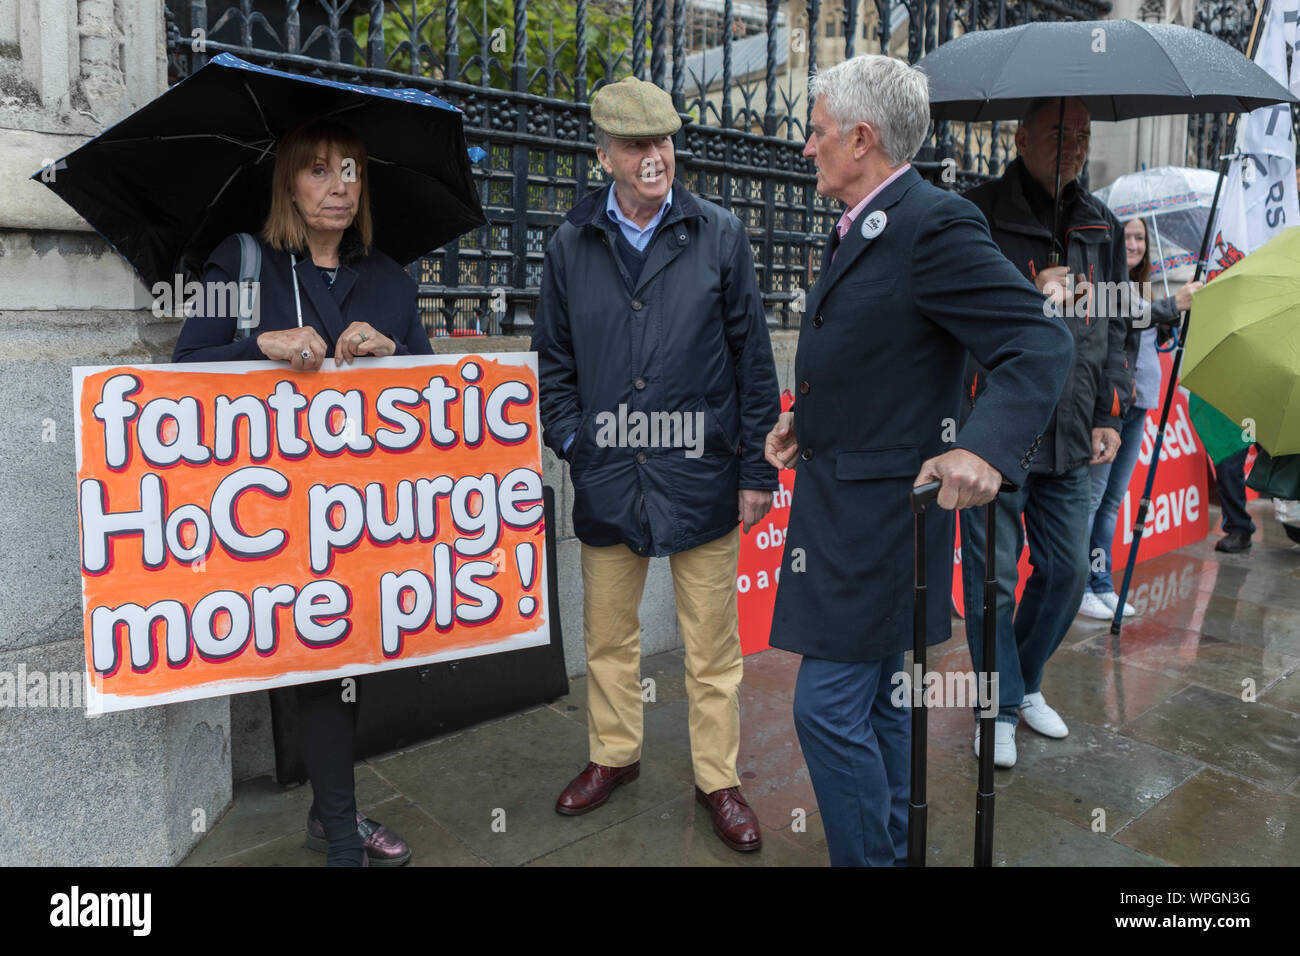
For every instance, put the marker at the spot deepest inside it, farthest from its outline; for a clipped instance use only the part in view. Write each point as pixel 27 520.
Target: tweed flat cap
pixel 632 108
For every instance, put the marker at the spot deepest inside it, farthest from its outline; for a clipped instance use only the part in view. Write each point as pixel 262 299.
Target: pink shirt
pixel 846 220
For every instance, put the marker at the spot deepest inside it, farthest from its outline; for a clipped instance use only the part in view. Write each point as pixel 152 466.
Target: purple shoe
pixel 383 847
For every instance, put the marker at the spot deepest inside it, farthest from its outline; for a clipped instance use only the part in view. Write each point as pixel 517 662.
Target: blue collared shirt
pixel 640 238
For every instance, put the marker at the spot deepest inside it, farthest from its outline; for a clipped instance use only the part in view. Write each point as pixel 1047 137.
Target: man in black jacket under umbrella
pixel 1089 288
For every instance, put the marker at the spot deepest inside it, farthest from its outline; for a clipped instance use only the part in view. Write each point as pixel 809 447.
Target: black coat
pixel 879 367
pixel 1099 388
pixel 688 337
pixel 371 288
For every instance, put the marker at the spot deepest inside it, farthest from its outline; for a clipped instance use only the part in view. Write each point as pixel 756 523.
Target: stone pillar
pixel 130 788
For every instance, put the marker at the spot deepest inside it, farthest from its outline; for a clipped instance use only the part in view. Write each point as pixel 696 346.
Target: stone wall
pixel 131 788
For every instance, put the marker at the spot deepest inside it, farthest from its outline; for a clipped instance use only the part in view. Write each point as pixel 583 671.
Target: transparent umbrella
pixel 1175 200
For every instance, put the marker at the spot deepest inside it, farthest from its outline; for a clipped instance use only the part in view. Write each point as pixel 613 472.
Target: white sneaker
pixel 1041 717
pixel 1112 599
pixel 1094 606
pixel 1004 743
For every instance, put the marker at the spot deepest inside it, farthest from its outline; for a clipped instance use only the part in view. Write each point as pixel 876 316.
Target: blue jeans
pixel 1109 482
pixel 1055 509
pixel 857 745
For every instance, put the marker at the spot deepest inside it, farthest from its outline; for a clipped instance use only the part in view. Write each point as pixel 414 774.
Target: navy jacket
pixel 882 348
pixel 688 338
pixel 371 288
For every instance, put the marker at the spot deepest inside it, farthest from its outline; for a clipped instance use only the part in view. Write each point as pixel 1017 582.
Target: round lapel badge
pixel 874 224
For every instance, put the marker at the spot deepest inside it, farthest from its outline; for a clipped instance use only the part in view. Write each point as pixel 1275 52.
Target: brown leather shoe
pixel 733 819
pixel 592 787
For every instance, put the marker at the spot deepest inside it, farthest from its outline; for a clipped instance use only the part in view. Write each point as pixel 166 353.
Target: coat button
pixel 639 384
pixel 640 458
pixel 803 388
pixel 806 454
pixel 636 305
pixel 817 321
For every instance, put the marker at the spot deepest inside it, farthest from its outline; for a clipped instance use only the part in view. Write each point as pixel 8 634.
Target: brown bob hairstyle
pixel 1142 271
pixel 285 228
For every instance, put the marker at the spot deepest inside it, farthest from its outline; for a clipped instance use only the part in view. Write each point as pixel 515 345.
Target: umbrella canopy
pixel 173 179
pixel 1121 69
pixel 1243 350
pixel 1175 200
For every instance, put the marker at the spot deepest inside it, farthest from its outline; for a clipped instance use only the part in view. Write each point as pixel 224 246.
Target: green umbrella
pixel 1243 350
pixel 1220 435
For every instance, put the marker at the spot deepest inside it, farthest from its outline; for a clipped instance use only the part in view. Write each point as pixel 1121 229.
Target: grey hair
pixel 887 94
pixel 602 138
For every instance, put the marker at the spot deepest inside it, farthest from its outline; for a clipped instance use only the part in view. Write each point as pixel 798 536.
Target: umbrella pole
pixel 1055 257
pixel 1140 524
pixel 1160 251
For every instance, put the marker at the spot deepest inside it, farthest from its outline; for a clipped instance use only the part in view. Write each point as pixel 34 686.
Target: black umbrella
pixel 1121 69
pixel 173 179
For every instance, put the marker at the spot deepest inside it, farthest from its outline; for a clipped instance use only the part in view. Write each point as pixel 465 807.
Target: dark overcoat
pixel 688 339
pixel 878 374
pixel 367 288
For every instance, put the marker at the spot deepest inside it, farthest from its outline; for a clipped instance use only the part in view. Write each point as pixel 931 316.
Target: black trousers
pixel 1231 477
pixel 326 726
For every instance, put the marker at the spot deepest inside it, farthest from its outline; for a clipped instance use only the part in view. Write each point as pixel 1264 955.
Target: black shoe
pixel 1233 543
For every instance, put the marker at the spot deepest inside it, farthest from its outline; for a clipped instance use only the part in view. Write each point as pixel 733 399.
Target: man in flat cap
pixel 658 387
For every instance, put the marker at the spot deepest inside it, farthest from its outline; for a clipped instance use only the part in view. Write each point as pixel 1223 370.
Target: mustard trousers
pixel 704 584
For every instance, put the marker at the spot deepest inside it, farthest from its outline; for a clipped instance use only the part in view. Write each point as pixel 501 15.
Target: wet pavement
pixel 1184 749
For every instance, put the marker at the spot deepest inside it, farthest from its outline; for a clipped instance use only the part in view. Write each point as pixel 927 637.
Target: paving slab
pixel 1192 657
pixel 676 833
pixel 1253 740
pixel 494 787
pixel 263 811
pixel 1219 819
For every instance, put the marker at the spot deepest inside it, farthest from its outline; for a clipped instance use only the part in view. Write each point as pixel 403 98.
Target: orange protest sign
pixel 245 526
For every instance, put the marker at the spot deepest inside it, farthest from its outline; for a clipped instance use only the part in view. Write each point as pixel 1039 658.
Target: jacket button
pixel 817 321
pixel 640 458
pixel 639 384
pixel 806 454
pixel 636 305
pixel 803 388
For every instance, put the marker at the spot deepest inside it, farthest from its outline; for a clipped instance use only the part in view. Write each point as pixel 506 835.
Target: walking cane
pixel 988 714
pixel 922 495
pixel 917 808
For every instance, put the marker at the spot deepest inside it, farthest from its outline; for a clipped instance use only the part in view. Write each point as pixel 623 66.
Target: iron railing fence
pixel 523 74
pixel 1207 132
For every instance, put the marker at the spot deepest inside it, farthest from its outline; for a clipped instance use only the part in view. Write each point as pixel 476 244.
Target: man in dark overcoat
pixel 910 283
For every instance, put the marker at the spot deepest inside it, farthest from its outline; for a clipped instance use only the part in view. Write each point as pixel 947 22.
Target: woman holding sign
pixel 322 292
